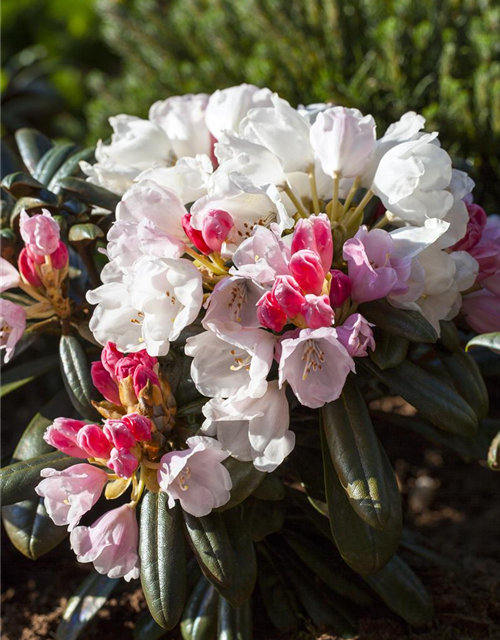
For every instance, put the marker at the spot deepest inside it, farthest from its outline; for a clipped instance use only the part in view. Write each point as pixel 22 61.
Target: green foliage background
pixel 439 57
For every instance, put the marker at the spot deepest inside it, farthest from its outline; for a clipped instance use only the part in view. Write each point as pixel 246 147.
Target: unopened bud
pixel 195 235
pixel 308 271
pixel 216 226
pixel 28 270
pixel 317 311
pixel 315 233
pixel 288 295
pixel 269 312
pixel 92 440
pixel 340 288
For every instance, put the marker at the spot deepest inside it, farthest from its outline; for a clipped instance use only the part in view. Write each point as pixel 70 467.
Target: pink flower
pixel 70 493
pixel 195 235
pixel 110 356
pixel 40 232
pixel 487 250
pixel 315 233
pixel 356 336
pixel 317 311
pixel 475 226
pixel 104 383
pixel 110 543
pixel 139 426
pixel 270 313
pixel 122 462
pixel 316 365
pixel 63 433
pixel 119 434
pixel 482 311
pixel 372 272
pixel 93 441
pixel 142 375
pixel 12 326
pixel 196 476
pixel 27 269
pixel 216 225
pixel 288 295
pixel 306 268
pixel 9 276
pixel 340 288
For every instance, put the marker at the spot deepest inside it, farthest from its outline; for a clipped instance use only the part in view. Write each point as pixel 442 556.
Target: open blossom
pixel 40 233
pixel 110 543
pixel 482 311
pixel 195 476
pixel 9 276
pixel 356 336
pixel 262 257
pixel 227 107
pixel 316 365
pixel 252 429
pixel 71 493
pixel 12 326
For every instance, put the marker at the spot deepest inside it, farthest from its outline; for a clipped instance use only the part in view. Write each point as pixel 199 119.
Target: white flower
pixel 253 429
pixel 188 179
pixel 227 107
pixel 236 366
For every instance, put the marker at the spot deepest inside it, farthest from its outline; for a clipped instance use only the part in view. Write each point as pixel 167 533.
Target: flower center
pixel 182 477
pixel 238 299
pixel 239 362
pixel 313 357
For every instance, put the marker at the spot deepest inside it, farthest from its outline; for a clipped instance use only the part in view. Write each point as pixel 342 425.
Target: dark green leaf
pixel 88 192
pixel 75 369
pixel 199 620
pixel 488 340
pixel 364 549
pixel 21 184
pixel 399 322
pixel 21 374
pixel 234 624
pixel 271 488
pixel 84 604
pixel 390 350
pixel 192 408
pixel 467 379
pixel 403 592
pixel 437 401
pixel 409 542
pixel 449 337
pixel 245 479
pixel 52 161
pixel 85 232
pixel 280 602
pixel 212 547
pixel 264 517
pixel 32 146
pixel 163 560
pixel 72 165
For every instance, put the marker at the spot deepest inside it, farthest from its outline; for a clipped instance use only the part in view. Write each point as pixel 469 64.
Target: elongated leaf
pixel 264 517
pixel 88 192
pixel 434 399
pixel 192 408
pixel 467 379
pixel 399 322
pixel 449 337
pixel 163 560
pixel 488 340
pixel 271 488
pixel 21 184
pixel 234 624
pixel 72 165
pixel 403 592
pixel 32 146
pixel 199 620
pixel 75 369
pixel 409 542
pixel 84 604
pixel 22 374
pixel 52 161
pixel 145 628
pixel 87 232
pixel 279 600
pixel 245 479
pixel 364 549
pixel 390 350
pixel 212 547
pixel 18 481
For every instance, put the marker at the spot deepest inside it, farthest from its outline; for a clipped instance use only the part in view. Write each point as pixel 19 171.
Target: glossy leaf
pixel 88 192
pixel 52 161
pixel 279 600
pixel 234 624
pixel 72 165
pixel 357 457
pixel 163 560
pixel 245 479
pixel 399 322
pixel 449 337
pixel 87 232
pixel 75 368
pixel 22 184
pixel 22 374
pixel 390 350
pixel 467 380
pixel 264 517
pixel 32 146
pixel 199 620
pixel 84 604
pixel 488 340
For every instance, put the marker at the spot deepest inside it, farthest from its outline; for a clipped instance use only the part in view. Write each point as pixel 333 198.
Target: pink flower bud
pixel 288 295
pixel 110 357
pixel 143 357
pixel 92 440
pixel 63 435
pixel 340 288
pixel 60 256
pixel 125 367
pixel 104 383
pixel 195 235
pixel 216 226
pixel 118 433
pixel 308 271
pixel 27 269
pixel 141 376
pixel 269 312
pixel 475 227
pixel 34 256
pixel 40 232
pixel 122 462
pixel 140 426
pixel 315 233
pixel 317 311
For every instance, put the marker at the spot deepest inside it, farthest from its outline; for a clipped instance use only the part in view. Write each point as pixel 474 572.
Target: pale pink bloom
pixel 306 268
pixel 373 273
pixel 122 462
pixel 119 435
pixel 482 311
pixel 343 140
pixel 104 383
pixel 12 326
pixel 340 288
pixel 315 233
pixel 27 269
pixel 92 440
pixel 70 493
pixel 140 426
pixel 40 232
pixel 110 543
pixel 316 365
pixel 317 311
pixel 270 313
pixel 62 434
pixel 9 276
pixel 195 476
pixel 262 257
pixel 288 295
pixel 215 227
pixel 356 336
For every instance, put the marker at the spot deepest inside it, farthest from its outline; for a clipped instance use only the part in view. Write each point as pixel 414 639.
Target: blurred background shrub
pixel 441 58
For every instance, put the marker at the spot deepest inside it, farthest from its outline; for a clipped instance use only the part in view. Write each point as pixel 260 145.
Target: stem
pixel 368 196
pixel 89 263
pixel 297 203
pixel 202 260
pixel 382 222
pixel 335 196
pixel 314 190
pixel 351 194
pixel 217 260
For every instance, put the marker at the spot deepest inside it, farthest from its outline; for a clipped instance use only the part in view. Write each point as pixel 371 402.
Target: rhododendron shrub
pixel 234 284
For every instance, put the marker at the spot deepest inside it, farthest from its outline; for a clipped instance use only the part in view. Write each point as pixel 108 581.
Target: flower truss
pixel 258 239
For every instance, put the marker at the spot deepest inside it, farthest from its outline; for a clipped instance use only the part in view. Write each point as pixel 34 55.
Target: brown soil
pixel 451 505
